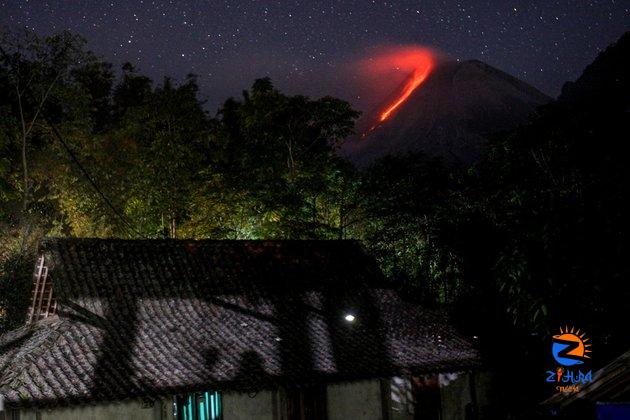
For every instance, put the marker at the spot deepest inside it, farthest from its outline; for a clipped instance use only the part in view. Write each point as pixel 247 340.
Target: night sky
pixel 309 47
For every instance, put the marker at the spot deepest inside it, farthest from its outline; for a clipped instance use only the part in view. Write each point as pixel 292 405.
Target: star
pixel 238 41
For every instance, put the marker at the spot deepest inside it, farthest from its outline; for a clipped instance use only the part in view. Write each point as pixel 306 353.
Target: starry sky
pixel 309 47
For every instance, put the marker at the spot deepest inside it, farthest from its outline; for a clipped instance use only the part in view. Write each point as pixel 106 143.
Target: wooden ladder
pixel 43 303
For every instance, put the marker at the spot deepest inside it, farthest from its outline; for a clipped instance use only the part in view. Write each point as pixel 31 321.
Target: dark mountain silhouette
pixel 452 114
pixel 604 84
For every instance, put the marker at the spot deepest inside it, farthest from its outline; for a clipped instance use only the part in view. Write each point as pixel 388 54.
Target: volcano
pixel 452 113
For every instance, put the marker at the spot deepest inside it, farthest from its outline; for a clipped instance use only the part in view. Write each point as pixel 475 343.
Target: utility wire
pixel 120 216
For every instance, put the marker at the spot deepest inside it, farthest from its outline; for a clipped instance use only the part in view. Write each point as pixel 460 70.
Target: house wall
pixel 400 397
pixel 352 400
pixel 259 406
pixel 355 400
pixel 455 395
pixel 365 400
pixel 130 410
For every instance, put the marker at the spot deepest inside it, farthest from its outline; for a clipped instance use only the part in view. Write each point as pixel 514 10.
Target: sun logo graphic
pixel 570 347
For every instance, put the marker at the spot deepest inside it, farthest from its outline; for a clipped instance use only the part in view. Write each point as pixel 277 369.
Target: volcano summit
pixel 451 113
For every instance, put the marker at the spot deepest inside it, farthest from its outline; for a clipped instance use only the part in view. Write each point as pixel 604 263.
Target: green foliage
pixel 278 151
pixel 8 126
pixel 558 191
pixel 406 204
pixel 15 289
pixel 168 132
pixel 37 75
pixel 265 168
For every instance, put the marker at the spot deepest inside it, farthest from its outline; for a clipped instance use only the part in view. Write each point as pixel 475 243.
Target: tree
pixel 170 130
pixel 40 76
pixel 406 204
pixel 279 152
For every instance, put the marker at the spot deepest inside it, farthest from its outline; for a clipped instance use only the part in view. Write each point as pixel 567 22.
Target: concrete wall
pixel 355 400
pixel 236 406
pixel 352 400
pixel 259 406
pixel 401 404
pixel 129 410
pixel 455 395
pixel 484 387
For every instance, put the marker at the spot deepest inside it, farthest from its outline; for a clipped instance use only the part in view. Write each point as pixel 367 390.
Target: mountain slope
pixel 604 83
pixel 451 114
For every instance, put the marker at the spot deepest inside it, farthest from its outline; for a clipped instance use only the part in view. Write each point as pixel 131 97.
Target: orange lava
pixel 418 61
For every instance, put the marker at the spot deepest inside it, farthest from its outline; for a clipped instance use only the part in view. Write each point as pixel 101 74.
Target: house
pixel 163 329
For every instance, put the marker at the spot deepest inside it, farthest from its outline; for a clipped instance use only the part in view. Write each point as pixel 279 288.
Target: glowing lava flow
pixel 384 67
pixel 420 62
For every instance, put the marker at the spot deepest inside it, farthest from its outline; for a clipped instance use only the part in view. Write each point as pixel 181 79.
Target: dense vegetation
pixel 534 236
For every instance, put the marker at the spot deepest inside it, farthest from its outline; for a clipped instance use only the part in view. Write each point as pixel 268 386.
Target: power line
pixel 120 216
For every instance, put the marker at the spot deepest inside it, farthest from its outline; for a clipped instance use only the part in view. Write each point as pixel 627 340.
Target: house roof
pixel 146 318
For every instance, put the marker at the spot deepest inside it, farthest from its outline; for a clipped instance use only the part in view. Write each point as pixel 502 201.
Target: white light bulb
pixel 349 317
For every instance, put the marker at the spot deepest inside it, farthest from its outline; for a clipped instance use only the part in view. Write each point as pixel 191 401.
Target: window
pixel 198 406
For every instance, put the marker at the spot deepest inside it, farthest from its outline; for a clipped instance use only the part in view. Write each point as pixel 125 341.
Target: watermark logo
pixel 570 348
